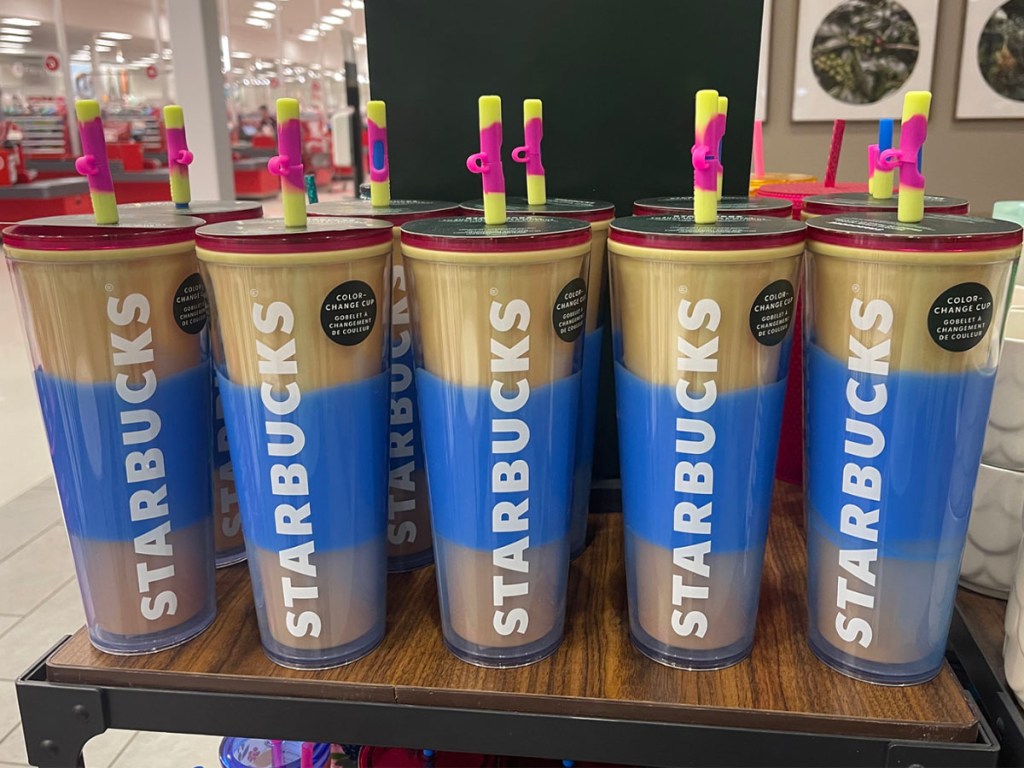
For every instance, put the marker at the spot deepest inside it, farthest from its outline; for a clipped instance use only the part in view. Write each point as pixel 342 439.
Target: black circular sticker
pixel 349 313
pixel 772 312
pixel 190 304
pixel 960 317
pixel 570 310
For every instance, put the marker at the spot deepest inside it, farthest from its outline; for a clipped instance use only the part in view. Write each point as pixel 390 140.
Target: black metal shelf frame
pixel 58 719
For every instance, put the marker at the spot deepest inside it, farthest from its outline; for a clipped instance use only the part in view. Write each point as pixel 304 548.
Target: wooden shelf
pixel 596 672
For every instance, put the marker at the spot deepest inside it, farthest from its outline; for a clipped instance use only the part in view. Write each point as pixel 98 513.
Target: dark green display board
pixel 617 79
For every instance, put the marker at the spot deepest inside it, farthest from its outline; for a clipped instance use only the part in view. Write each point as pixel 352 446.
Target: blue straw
pixel 885 134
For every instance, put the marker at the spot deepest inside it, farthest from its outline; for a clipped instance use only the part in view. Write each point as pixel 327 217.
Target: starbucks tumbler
pixel 227 526
pixel 701 329
pixel 409 540
pixel 302 364
pixel 728 205
pixel 903 329
pixel 498 314
pixel 116 320
pixel 599 215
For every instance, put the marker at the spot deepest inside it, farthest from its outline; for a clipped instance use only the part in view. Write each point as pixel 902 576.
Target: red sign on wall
pixel 152 72
pixel 52 63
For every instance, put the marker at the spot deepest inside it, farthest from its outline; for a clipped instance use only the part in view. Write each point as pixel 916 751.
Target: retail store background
pixel 39 601
pixel 982 160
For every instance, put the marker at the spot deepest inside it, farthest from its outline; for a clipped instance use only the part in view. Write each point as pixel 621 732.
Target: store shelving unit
pixel 595 699
pixel 44 135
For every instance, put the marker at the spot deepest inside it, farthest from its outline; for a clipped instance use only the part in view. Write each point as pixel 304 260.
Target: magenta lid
pixel 730 204
pixel 676 232
pixel 272 236
pixel 210 211
pixel 567 207
pixel 520 233
pixel 397 214
pixel 80 232
pixel 862 202
pixel 935 232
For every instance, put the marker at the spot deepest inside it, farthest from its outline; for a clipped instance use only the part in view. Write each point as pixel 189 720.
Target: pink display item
pixel 913 133
pixel 530 153
pixel 288 163
pixel 271 236
pixel 80 232
pixel 377 137
pixel 179 158
pixel 487 162
pixel 705 155
pixel 93 163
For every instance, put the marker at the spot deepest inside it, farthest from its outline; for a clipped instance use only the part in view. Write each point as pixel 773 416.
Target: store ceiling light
pixel 330 21
pixel 358 5
pixel 258 14
pixel 258 23
pixel 13 39
pixel 241 55
pixel 341 13
pixel 116 35
pixel 309 38
pixel 358 41
pixel 265 5
pixel 19 22
pixel 20 31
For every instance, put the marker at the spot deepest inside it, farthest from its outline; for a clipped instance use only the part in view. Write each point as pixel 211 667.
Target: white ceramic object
pixel 994 532
pixel 1013 642
pixel 1004 436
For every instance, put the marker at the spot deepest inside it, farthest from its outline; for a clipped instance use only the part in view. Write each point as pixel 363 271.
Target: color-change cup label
pixel 960 317
pixel 349 312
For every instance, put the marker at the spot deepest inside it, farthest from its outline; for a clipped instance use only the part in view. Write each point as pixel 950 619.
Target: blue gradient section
pixel 83 423
pixel 933 425
pixel 746 424
pixel 585 437
pixel 345 456
pixel 457 440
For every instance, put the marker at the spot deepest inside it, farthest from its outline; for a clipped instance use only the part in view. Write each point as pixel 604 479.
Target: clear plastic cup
pixel 302 362
pixel 227 519
pixel 499 314
pixel 902 334
pixel 599 215
pixel 701 328
pixel 116 322
pixel 409 539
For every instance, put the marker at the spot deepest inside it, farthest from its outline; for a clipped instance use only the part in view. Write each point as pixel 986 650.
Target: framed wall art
pixel 992 60
pixel 855 59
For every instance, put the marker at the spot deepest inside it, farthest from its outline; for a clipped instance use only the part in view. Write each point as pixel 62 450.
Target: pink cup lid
pixel 676 232
pixel 324 233
pixel 862 202
pixel 936 232
pixel 398 213
pixel 466 234
pixel 80 232
pixel 567 207
pixel 729 204
pixel 210 211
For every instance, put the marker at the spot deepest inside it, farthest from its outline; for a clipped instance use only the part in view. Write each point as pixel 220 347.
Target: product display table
pixel 595 699
pixel 977 639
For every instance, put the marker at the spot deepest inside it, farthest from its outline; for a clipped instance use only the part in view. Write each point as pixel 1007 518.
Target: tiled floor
pixel 39 600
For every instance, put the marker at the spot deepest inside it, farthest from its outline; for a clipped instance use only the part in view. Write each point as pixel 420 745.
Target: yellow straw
pixel 490 144
pixel 380 171
pixel 916 106
pixel 723 110
pixel 705 194
pixel 93 164
pixel 289 146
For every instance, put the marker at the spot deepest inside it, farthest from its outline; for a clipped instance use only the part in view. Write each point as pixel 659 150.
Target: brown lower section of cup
pixel 466 580
pixel 727 608
pixel 227 528
pixel 350 603
pixel 109 577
